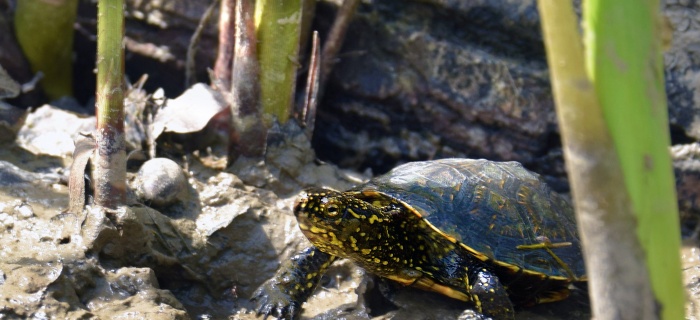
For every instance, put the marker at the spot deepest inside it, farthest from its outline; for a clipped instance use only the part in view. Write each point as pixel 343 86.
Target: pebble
pixel 160 182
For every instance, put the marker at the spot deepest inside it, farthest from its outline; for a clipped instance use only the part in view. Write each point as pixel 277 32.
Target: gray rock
pixel 160 182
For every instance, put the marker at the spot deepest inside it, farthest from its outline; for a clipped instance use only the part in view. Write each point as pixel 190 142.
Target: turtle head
pixel 336 222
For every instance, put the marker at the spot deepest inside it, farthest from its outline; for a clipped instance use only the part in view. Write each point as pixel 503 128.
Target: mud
pixel 200 257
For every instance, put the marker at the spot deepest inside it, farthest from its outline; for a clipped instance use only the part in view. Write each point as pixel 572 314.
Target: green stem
pixel 45 32
pixel 615 265
pixel 625 63
pixel 279 26
pixel 110 164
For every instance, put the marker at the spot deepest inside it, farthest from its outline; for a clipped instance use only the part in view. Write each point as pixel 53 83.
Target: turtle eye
pixel 332 210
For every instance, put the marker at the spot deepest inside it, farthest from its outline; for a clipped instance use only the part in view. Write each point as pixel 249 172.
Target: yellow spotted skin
pixel 283 295
pixel 488 233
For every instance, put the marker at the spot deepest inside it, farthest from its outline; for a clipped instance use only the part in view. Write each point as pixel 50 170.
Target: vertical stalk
pixel 336 36
pixel 224 57
pixel 190 64
pixel 110 162
pixel 624 60
pixel 617 273
pixel 44 30
pixel 248 134
pixel 278 26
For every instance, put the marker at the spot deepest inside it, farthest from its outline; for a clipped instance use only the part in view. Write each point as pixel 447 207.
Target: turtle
pixel 486 232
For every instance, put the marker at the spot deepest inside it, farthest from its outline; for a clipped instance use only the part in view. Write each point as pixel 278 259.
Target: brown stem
pixel 190 69
pixel 336 36
pixel 308 111
pixel 224 58
pixel 248 131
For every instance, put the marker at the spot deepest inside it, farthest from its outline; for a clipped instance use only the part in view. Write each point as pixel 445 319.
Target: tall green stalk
pixel 279 26
pixel 624 61
pixel 110 163
pixel 615 132
pixel 45 32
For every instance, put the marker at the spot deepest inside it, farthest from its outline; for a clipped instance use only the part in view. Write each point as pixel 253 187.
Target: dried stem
pixel 224 58
pixel 190 65
pixel 308 111
pixel 248 131
pixel 336 36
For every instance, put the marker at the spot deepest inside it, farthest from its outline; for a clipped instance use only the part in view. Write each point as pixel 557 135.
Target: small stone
pixel 160 182
pixel 24 210
pixel 6 221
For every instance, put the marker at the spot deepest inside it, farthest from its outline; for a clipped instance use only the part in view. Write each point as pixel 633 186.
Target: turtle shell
pixel 494 209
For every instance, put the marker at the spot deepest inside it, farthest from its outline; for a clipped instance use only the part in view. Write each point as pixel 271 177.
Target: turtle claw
pixel 274 302
pixel 472 315
pixel 282 295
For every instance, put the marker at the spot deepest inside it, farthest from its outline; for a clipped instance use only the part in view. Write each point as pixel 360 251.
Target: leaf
pixel 9 88
pixel 190 112
pixel 84 148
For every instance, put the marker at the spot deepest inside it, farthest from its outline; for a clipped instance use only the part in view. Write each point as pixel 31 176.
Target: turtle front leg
pixel 488 294
pixel 283 295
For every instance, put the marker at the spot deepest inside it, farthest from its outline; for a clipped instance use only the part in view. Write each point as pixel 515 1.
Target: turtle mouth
pixel 299 206
pixel 304 220
pixel 313 233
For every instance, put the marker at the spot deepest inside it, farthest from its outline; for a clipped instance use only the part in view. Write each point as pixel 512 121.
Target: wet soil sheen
pixel 200 257
pixel 415 80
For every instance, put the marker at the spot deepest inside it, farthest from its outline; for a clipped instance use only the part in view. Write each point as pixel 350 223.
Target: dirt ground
pixel 201 257
pixel 204 254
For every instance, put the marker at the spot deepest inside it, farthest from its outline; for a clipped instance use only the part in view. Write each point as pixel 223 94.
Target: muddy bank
pixel 200 257
pixel 388 101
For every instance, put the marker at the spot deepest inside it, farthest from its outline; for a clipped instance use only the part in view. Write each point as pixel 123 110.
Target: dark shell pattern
pixel 492 208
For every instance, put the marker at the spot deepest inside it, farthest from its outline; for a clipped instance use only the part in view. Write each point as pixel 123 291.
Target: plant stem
pixel 616 269
pixel 110 162
pixel 336 36
pixel 190 64
pixel 224 56
pixel 624 60
pixel 45 31
pixel 278 28
pixel 248 134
